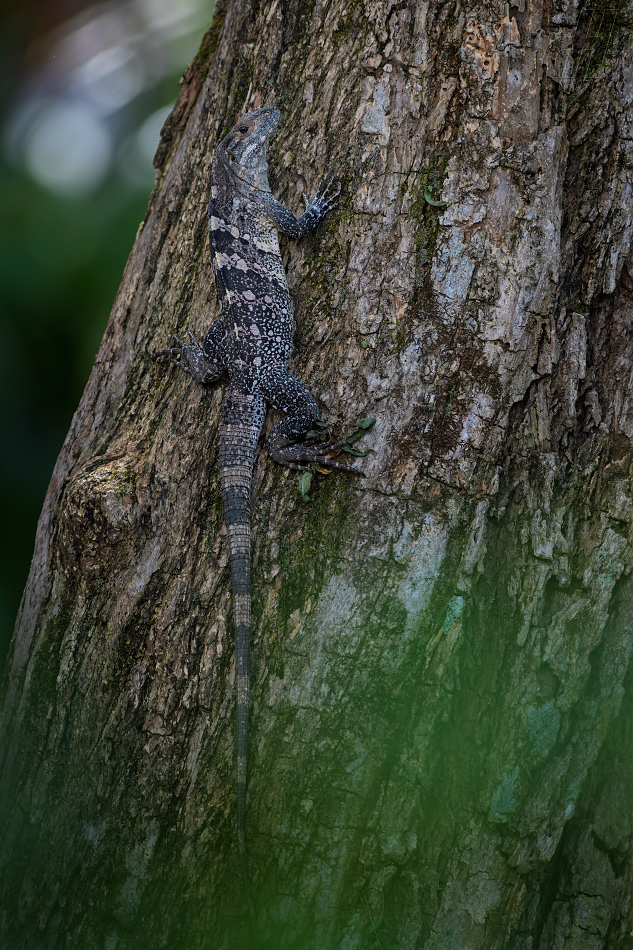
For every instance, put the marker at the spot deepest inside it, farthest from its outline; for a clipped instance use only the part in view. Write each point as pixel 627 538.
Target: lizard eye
pixel 243 129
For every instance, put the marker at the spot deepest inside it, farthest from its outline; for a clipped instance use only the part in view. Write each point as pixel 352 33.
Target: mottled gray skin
pixel 252 342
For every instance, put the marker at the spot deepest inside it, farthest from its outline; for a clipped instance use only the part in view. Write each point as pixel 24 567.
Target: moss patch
pixel 603 23
pixel 42 690
pixel 425 215
pixel 308 561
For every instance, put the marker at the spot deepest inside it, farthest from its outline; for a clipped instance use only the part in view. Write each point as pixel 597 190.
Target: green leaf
pixel 364 427
pixel 432 201
pixel 315 434
pixel 352 451
pixel 321 425
pixel 303 485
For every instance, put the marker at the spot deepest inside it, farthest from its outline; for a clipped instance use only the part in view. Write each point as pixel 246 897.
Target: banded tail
pixel 241 421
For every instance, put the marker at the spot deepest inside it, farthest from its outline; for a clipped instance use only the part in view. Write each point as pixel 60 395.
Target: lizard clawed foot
pixel 192 353
pixel 300 456
pixel 170 351
pixel 325 199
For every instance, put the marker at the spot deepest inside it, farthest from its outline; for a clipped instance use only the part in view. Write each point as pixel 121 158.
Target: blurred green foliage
pixel 62 257
pixel 61 261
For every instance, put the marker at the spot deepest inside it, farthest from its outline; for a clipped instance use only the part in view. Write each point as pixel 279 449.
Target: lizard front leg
pixel 286 392
pixel 325 200
pixel 203 362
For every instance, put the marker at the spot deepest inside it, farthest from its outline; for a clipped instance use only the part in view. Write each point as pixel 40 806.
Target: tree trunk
pixel 441 714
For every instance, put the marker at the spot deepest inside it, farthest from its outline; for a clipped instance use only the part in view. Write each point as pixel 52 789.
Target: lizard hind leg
pixel 286 392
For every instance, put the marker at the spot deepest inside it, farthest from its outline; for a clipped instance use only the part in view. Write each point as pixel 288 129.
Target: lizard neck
pixel 238 178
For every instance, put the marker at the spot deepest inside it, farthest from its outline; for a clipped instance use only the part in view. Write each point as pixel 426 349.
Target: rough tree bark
pixel 442 712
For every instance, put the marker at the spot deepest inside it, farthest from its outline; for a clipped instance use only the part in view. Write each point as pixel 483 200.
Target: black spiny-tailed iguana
pixel 252 342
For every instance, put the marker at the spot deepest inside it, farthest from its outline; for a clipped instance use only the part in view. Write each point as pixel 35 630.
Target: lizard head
pixel 247 143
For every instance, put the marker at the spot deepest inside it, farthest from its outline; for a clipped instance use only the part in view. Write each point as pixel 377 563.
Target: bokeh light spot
pixel 68 149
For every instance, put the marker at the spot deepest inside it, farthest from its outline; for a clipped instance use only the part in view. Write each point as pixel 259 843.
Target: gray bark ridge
pixel 441 662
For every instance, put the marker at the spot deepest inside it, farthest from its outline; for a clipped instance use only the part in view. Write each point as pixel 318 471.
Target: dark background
pixel 84 89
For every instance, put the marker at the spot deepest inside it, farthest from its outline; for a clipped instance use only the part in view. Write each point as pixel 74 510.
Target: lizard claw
pixel 193 359
pixel 183 366
pixel 300 455
pixel 176 353
pixel 326 198
pixel 171 351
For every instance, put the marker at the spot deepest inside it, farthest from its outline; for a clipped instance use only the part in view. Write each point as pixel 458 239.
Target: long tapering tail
pixel 241 421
